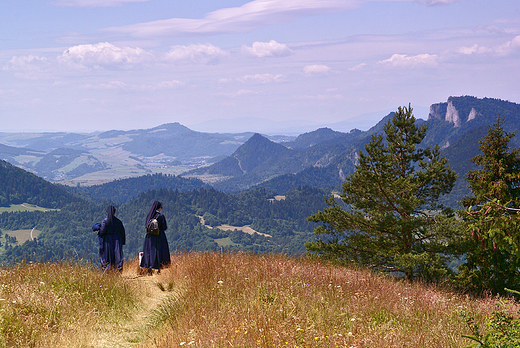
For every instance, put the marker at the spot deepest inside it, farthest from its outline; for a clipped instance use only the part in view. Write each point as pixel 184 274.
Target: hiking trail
pixel 132 331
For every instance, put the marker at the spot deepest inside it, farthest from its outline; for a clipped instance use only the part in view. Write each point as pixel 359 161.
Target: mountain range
pixel 236 162
pixel 269 185
pixel 324 157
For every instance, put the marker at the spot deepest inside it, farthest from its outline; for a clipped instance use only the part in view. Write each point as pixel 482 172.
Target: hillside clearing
pixel 24 207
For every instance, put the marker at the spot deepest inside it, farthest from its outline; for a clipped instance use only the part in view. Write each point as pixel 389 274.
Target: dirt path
pixel 132 331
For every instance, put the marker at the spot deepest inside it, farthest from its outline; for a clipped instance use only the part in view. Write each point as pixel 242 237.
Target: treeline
pixel 18 186
pixel 123 190
pixel 67 233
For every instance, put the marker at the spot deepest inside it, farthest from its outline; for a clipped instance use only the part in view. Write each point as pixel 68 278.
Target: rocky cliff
pixel 449 112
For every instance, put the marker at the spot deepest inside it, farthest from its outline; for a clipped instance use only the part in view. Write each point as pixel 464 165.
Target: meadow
pixel 216 299
pixel 21 235
pixel 23 207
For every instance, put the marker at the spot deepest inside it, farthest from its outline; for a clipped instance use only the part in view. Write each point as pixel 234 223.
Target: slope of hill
pixel 123 190
pixel 312 138
pixel 179 142
pixel 72 157
pixel 267 161
pixel 19 186
pixel 236 300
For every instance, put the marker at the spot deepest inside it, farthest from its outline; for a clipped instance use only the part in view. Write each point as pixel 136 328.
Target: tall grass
pixel 229 300
pixel 241 300
pixel 57 305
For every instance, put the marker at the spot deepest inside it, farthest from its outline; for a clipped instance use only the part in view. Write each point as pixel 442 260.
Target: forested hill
pixel 18 186
pixel 260 160
pixel 274 223
pixel 123 190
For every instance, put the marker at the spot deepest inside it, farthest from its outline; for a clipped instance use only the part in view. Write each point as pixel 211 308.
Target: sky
pixel 271 66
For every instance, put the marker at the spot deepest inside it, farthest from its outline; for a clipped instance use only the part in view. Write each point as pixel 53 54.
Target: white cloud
pixel 119 85
pixel 206 53
pixel 92 3
pixel 357 67
pixel 435 2
pixel 475 49
pixel 170 84
pixel 507 48
pixel 419 61
pixel 103 55
pixel 239 93
pixel 268 49
pixel 315 69
pixel 250 16
pixel 261 78
pixel 30 66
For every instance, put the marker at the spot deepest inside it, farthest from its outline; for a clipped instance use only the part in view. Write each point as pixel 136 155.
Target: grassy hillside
pixel 227 300
pixel 20 236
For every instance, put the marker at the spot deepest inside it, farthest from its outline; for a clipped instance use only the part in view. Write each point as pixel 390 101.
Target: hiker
pixel 113 237
pixel 156 253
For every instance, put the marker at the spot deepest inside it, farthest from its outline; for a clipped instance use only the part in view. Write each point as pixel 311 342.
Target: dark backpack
pixel 152 227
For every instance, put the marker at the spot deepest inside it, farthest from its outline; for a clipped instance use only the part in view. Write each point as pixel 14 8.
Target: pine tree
pixel 492 215
pixel 388 220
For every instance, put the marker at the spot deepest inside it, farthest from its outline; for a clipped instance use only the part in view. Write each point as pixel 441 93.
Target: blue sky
pixel 272 66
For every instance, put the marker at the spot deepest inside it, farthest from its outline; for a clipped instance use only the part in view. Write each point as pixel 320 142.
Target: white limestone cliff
pixel 472 114
pixel 452 115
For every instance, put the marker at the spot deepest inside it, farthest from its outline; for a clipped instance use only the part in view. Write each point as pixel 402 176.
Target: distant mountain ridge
pixel 323 158
pixel 234 162
pixel 67 156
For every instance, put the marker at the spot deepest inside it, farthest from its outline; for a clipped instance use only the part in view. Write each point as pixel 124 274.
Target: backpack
pixel 152 227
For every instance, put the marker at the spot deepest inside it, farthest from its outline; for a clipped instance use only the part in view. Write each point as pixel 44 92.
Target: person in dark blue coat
pixel 156 252
pixel 113 234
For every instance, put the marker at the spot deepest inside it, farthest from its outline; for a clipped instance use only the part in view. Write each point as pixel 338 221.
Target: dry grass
pixel 274 301
pixel 60 305
pixel 227 300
